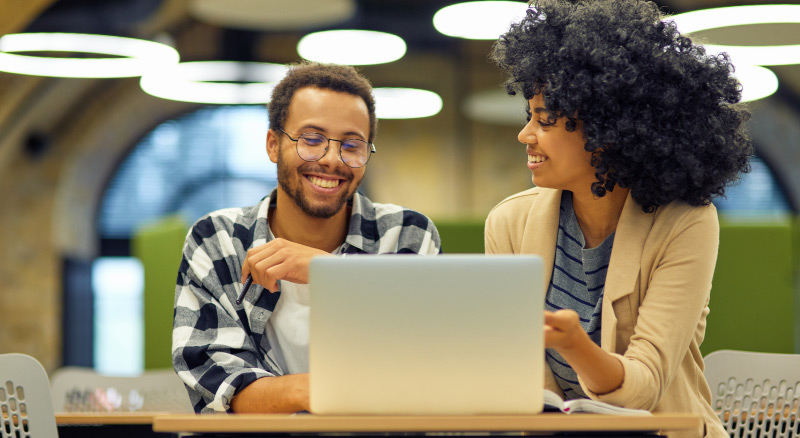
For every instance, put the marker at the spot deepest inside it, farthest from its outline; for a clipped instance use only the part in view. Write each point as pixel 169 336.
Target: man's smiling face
pixel 320 188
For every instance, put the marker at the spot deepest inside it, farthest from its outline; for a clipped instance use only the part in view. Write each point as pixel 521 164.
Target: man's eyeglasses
pixel 312 146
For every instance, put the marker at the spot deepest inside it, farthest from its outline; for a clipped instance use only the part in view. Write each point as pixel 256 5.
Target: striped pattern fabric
pixel 577 283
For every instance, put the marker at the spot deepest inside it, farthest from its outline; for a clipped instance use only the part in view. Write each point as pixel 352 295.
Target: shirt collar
pixel 362 230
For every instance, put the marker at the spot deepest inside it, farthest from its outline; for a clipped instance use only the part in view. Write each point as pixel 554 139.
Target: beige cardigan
pixel 655 301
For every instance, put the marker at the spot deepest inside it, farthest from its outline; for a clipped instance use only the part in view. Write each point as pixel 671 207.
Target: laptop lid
pixel 421 335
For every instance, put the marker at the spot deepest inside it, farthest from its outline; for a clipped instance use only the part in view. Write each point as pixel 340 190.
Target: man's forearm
pixel 282 394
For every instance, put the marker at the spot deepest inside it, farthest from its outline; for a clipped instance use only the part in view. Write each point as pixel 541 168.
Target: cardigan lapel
pixel 543 224
pixel 624 266
pixel 626 255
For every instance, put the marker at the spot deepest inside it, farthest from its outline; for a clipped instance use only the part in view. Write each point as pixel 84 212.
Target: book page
pixel 586 405
pixel 552 402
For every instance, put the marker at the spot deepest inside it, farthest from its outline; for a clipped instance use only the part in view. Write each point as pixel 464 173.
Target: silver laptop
pixel 422 335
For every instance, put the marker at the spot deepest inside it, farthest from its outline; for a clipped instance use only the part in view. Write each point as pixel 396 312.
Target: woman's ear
pixel 273 145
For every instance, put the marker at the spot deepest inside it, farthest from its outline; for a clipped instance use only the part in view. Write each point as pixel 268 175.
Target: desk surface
pixel 106 418
pixel 549 422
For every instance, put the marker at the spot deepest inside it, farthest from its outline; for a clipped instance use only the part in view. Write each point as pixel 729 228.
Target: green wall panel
pixel 752 297
pixel 159 246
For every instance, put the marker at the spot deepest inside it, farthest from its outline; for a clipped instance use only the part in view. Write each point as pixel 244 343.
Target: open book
pixel 552 402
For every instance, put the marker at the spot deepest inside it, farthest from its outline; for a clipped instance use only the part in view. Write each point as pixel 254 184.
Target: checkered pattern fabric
pixel 219 347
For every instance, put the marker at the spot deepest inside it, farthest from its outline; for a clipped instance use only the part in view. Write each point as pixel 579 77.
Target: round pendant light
pixel 215 82
pixel 496 107
pixel 351 47
pixel 130 56
pixel 705 19
pixel 757 82
pixel 479 20
pixel 272 15
pixel 405 103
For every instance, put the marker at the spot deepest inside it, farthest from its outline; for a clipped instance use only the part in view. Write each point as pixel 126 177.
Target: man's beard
pixel 321 211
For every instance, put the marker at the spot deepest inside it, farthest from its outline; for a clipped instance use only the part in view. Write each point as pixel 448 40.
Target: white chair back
pixel 26 409
pixel 756 395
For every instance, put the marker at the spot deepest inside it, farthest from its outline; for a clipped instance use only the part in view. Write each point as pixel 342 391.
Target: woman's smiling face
pixel 557 158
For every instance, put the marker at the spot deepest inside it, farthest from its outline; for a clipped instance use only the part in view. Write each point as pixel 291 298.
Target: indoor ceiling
pixel 268 30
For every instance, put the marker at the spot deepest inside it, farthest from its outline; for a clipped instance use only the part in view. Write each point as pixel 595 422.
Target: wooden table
pixel 108 425
pixel 102 418
pixel 544 424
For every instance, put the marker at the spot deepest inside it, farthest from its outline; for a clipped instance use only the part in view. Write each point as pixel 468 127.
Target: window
pixel 212 158
pixel 756 196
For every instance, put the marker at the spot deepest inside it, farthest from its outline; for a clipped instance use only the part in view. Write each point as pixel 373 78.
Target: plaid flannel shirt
pixel 219 347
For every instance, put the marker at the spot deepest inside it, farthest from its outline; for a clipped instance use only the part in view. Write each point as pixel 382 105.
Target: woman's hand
pixel 600 371
pixel 562 330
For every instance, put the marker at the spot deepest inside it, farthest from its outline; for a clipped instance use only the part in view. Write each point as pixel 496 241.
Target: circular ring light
pixel 758 55
pixel 757 82
pixel 133 57
pixel 351 47
pixel 273 15
pixel 705 19
pixel 405 103
pixel 215 82
pixel 479 20
pixel 496 107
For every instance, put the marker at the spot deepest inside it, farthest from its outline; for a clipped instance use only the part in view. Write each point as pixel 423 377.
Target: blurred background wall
pixel 65 142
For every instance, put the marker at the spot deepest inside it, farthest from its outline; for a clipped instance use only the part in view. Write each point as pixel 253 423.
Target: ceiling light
pixel 705 19
pixel 351 47
pixel 758 55
pixel 405 103
pixel 273 14
pixel 215 82
pixel 496 107
pixel 133 57
pixel 757 82
pixel 479 20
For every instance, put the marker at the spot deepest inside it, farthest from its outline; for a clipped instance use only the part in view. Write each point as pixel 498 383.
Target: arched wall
pixel 50 202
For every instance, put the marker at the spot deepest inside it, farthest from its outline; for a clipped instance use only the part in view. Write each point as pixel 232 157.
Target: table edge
pixel 552 422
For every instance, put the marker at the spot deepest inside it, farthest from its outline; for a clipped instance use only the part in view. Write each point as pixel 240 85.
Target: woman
pixel 632 130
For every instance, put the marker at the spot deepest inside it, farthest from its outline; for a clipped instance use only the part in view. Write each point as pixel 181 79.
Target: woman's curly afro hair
pixel 659 115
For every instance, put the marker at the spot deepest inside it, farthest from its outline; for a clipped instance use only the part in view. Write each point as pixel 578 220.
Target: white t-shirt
pixel 287 327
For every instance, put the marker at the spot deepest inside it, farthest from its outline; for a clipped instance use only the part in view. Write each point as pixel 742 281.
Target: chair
pixel 26 409
pixel 79 389
pixel 756 395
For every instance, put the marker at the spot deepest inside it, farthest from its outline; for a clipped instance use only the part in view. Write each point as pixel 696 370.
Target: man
pixel 254 357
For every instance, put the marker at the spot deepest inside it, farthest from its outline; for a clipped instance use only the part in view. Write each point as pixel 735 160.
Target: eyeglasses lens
pixel 312 147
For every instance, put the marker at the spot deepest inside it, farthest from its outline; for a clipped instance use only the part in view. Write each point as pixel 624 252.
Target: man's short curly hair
pixel 342 78
pixel 659 115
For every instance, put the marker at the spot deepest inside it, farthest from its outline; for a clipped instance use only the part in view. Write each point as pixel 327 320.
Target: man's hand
pixel 279 259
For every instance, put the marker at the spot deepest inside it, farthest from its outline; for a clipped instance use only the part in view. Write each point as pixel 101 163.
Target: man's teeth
pixel 536 159
pixel 324 183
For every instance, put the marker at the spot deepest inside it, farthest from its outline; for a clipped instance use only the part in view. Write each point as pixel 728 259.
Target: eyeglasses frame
pixel 297 140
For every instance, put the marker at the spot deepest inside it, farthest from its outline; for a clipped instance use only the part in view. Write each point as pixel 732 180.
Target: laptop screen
pixel 426 335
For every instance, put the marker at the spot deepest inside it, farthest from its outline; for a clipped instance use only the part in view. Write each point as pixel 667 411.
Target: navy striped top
pixel 577 283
